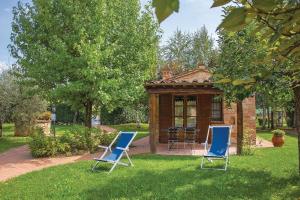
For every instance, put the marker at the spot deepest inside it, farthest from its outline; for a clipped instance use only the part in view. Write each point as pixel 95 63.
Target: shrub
pixel 41 145
pixel 77 140
pixel 278 132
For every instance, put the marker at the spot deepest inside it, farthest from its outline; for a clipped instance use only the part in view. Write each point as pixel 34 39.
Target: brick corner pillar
pixel 249 116
pixel 153 121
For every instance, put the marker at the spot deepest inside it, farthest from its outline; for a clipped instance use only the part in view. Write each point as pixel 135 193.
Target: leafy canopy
pixel 97 52
pixel 187 50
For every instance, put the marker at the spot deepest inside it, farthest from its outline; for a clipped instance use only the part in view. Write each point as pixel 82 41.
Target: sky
pixel 193 14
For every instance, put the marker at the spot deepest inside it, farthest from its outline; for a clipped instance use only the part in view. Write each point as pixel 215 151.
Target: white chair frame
pixel 108 150
pixel 210 159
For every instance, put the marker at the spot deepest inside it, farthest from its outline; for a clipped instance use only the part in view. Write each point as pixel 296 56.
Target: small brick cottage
pixel 191 100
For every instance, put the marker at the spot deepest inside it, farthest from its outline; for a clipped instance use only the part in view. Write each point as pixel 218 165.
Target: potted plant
pixel 278 137
pixel 44 121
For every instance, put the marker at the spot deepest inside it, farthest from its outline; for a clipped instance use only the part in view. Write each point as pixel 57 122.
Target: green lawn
pixel 268 174
pixel 8 141
pixel 143 131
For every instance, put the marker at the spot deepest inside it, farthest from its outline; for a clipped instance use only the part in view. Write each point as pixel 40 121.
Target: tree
pixel 178 50
pixel 203 50
pixel 8 97
pixel 85 53
pixel 279 23
pixel 275 93
pixel 186 51
pixel 17 103
pixel 236 51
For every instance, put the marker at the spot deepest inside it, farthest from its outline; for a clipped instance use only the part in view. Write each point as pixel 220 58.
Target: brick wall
pixel 249 115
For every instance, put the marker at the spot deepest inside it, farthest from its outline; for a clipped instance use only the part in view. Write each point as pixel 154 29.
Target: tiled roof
pixel 197 76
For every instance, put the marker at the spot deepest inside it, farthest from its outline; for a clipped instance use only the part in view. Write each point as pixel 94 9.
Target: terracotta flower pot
pixel 277 141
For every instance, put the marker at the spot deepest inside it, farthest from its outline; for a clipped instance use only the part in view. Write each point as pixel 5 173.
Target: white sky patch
pixel 3 66
pixel 7 9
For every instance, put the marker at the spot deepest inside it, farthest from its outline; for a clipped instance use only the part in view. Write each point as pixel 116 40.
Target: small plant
pixel 278 133
pixel 247 148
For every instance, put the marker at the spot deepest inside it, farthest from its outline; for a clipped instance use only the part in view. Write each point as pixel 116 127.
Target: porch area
pixel 142 146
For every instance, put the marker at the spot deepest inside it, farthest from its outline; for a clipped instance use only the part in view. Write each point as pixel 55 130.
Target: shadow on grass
pixel 189 182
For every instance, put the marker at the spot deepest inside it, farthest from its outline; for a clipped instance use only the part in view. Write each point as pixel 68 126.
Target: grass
pixel 8 141
pixel 268 174
pixel 143 131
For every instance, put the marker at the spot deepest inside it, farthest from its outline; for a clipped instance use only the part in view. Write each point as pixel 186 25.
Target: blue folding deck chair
pixel 123 140
pixel 220 142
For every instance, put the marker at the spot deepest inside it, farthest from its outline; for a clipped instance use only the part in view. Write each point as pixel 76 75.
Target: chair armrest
pixel 120 148
pixel 104 147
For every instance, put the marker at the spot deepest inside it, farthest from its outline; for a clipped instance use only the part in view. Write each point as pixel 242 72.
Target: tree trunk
pixel 294 122
pixel 88 114
pixel 290 115
pixel 22 129
pixel 1 128
pixel 75 118
pixel 239 127
pixel 297 111
pixel 264 118
pixel 268 116
pixel 138 121
pixel 272 119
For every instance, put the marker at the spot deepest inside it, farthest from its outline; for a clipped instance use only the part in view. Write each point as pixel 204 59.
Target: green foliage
pixel 220 3
pixel 42 146
pixel 278 132
pixel 278 21
pixel 127 114
pixel 65 114
pixel 234 75
pixel 247 143
pixel 235 20
pixel 185 51
pixel 17 101
pixel 76 141
pixel 165 8
pixel 85 54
